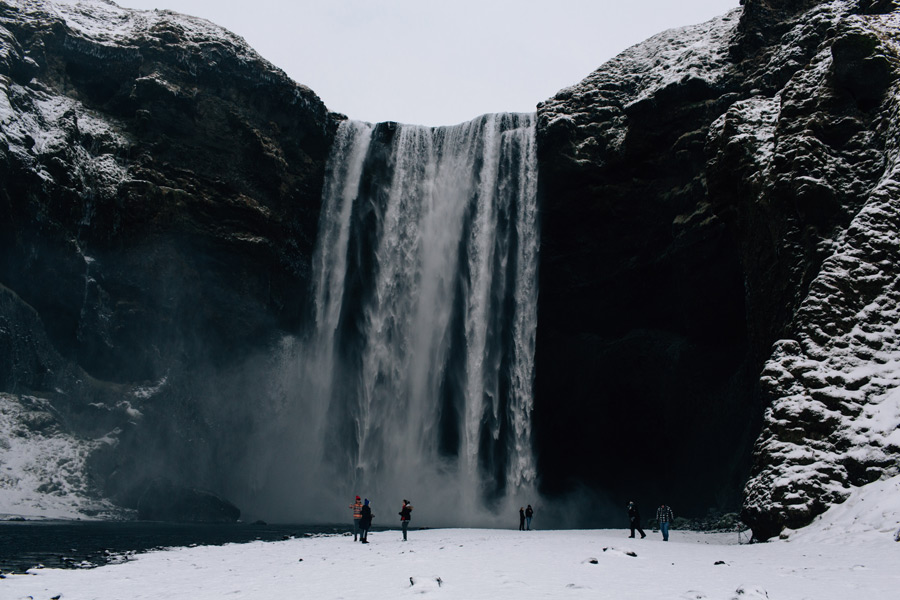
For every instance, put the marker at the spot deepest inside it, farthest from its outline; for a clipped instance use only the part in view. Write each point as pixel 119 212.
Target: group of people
pixel 525 515
pixel 362 519
pixel 664 516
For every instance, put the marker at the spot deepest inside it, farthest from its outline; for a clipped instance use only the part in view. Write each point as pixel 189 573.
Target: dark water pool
pixel 85 544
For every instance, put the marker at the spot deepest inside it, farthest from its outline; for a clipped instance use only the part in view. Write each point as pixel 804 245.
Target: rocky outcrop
pixel 163 500
pixel 720 202
pixel 643 357
pixel 158 209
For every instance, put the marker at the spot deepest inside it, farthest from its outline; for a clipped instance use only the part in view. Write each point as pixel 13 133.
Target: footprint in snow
pixel 750 592
pixel 420 584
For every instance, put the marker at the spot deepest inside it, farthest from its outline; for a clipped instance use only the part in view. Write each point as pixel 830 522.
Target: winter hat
pixel 357 497
pixel 366 502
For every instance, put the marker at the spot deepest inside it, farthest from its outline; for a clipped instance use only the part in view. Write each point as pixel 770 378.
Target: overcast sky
pixel 441 62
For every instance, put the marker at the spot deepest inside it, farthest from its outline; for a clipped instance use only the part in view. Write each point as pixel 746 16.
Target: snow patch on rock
pixel 42 469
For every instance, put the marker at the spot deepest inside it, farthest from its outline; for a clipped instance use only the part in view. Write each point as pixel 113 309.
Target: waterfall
pixel 416 379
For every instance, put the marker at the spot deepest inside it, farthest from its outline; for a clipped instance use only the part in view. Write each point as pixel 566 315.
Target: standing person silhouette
pixel 405 516
pixel 357 515
pixel 521 518
pixel 529 513
pixel 634 518
pixel 665 516
pixel 365 522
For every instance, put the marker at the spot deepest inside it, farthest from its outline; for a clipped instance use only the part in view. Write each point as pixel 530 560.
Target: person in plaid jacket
pixel 664 516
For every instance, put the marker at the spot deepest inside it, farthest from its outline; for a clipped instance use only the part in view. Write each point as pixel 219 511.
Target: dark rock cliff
pixel 158 209
pixel 706 194
pixel 720 209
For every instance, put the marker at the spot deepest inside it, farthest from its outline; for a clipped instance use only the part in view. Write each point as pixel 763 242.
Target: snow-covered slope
pixel 42 469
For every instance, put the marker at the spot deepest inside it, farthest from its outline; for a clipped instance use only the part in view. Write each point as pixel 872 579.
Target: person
pixel 521 518
pixel 405 514
pixel 529 512
pixel 365 522
pixel 357 515
pixel 665 516
pixel 634 516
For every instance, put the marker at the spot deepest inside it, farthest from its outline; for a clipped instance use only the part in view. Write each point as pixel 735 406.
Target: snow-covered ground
pixel 849 552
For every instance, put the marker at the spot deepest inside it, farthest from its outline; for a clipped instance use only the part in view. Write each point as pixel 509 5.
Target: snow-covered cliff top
pixel 673 56
pixel 104 22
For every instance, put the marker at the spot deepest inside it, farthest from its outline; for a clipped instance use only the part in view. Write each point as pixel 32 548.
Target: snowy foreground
pixel 850 552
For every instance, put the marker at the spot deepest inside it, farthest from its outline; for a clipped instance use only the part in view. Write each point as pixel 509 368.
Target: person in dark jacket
pixel 405 515
pixel 529 513
pixel 521 518
pixel 634 517
pixel 665 516
pixel 365 522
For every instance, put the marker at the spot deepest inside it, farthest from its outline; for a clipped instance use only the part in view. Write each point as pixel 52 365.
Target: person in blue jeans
pixel 664 516
pixel 529 512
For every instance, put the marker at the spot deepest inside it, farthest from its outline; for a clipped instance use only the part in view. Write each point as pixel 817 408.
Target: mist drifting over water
pixel 415 380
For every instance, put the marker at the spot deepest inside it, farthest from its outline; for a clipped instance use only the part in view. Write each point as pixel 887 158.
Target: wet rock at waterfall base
pixel 164 501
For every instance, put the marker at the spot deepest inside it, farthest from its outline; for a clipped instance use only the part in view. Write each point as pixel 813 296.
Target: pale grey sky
pixel 441 63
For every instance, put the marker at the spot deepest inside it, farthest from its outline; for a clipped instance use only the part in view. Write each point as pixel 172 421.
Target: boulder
pixel 163 500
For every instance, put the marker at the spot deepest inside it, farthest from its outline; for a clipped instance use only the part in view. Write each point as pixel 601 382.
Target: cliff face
pixel 717 202
pixel 158 208
pixel 719 273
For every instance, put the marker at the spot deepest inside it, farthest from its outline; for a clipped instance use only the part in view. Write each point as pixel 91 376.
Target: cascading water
pixel 417 379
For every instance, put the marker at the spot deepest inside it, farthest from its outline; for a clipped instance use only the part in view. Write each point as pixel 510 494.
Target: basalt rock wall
pixel 158 209
pixel 717 203
pixel 718 265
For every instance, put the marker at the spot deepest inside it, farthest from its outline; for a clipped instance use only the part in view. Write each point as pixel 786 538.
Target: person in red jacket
pixel 357 515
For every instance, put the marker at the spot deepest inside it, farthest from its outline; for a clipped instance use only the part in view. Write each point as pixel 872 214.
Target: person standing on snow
pixel 665 516
pixel 521 518
pixel 529 512
pixel 634 517
pixel 405 515
pixel 357 515
pixel 365 522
